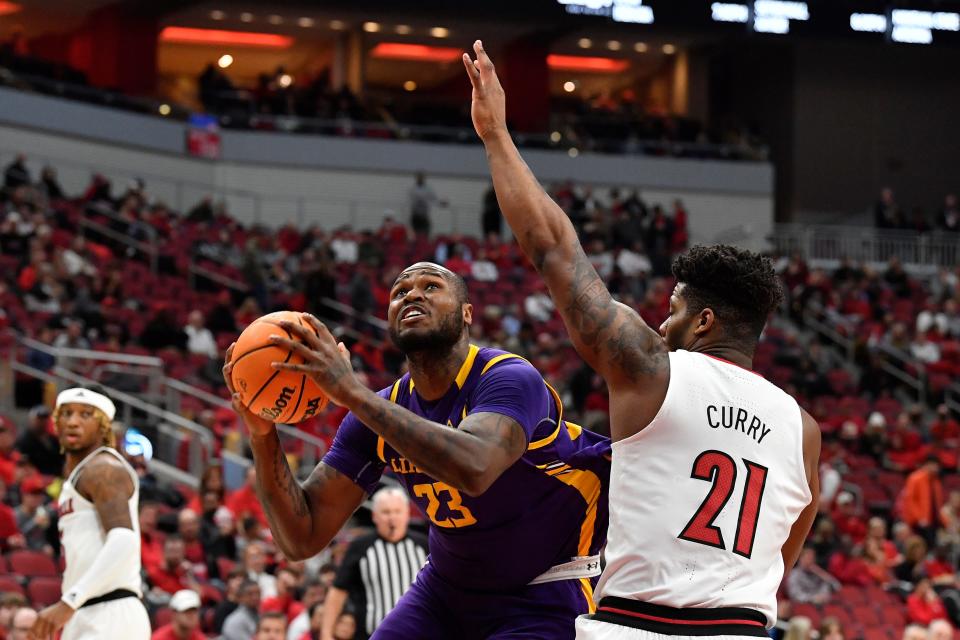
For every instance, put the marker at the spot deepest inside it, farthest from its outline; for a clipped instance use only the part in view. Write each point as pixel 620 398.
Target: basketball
pixel 285 397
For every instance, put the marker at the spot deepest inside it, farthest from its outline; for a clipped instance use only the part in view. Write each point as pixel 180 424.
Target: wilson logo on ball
pixel 286 395
pixel 312 407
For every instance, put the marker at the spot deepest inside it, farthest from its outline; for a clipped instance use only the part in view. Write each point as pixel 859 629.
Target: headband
pixel 85 396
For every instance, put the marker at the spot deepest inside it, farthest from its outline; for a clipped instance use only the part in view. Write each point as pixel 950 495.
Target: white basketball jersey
pixel 703 499
pixel 82 537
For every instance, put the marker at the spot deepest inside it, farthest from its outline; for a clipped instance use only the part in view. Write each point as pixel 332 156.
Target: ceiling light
pixel 405 51
pixel 225 61
pixel 587 64
pixel 613 45
pixel 306 23
pixel 569 86
pixel 246 16
pixel 217 15
pixel 404 29
pixel 371 27
pixel 6 7
pixel 219 36
pixel 640 47
pixel 338 25
pixel 573 152
pixel 164 109
pixel 585 43
pixel 669 49
pixel 440 32
pixel 275 19
pixel 410 85
pixel 285 80
pixel 555 136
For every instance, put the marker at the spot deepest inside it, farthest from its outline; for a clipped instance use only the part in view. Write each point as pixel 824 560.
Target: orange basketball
pixel 285 397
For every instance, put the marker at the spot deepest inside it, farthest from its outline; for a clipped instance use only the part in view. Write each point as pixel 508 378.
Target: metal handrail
pixel 149 249
pixel 90 354
pixel 350 311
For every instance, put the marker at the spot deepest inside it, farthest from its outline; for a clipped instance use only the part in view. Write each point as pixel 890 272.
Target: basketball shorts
pixel 435 609
pixel 624 619
pixel 125 618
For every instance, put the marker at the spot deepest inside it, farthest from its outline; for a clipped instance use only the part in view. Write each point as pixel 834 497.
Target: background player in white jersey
pixel 714 479
pixel 99 531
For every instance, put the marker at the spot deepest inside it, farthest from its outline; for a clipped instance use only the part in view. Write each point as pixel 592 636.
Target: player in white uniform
pixel 714 480
pixel 99 529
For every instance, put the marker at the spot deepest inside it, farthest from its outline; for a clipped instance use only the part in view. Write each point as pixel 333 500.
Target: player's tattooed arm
pixel 107 484
pixel 610 336
pixel 303 518
pixel 469 458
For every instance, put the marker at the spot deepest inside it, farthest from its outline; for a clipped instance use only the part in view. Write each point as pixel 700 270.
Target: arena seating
pixel 835 392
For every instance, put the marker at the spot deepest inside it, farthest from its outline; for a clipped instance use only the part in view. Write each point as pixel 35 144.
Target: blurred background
pixel 174 170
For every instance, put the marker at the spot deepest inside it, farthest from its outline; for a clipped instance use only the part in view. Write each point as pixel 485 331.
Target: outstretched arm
pixel 610 336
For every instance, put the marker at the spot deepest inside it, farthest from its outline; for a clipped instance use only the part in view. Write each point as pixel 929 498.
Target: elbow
pixel 477 479
pixel 292 552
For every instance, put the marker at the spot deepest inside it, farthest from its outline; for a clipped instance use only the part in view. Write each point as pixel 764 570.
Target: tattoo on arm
pixel 607 333
pixel 107 484
pixel 454 456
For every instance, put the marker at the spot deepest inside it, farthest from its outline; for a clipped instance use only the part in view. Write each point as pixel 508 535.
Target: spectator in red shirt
pixel 939 568
pixel 186 618
pixel 877 532
pixel 188 526
pixel 944 430
pixel 176 571
pixel 285 601
pixel 8 453
pixel 906 449
pixel 847 518
pixel 923 605
pixel 151 540
pixel 10 537
pixel 847 566
pixel 244 501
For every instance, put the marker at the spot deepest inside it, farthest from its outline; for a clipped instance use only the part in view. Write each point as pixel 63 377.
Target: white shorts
pixel 125 618
pixel 588 629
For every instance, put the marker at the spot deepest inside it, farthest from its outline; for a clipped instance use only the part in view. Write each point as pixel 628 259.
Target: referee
pixel 378 568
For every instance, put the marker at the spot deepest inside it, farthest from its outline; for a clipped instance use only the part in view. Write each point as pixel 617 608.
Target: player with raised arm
pixel 99 529
pixel 515 494
pixel 714 479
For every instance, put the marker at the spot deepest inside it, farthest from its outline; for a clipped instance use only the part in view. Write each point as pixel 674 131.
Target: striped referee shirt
pixel 375 573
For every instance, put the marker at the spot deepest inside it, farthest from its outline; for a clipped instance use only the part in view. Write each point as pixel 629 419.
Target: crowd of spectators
pixel 889 214
pixel 890 511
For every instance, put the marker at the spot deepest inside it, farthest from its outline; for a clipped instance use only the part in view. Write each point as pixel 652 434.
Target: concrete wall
pixel 276 178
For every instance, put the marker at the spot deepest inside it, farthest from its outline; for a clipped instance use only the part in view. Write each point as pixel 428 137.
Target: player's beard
pixel 439 341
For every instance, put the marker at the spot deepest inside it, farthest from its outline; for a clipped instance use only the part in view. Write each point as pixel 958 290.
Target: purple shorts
pixel 435 609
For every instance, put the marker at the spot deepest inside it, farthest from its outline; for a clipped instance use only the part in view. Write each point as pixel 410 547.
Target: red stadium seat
pixel 10 584
pixel 4 566
pixel 808 610
pixel 32 563
pixel 43 591
pixel 225 566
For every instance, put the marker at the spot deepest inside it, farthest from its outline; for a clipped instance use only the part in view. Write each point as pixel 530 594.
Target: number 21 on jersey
pixel 720 469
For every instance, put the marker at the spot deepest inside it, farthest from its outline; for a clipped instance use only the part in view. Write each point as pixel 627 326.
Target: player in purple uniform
pixel 515 494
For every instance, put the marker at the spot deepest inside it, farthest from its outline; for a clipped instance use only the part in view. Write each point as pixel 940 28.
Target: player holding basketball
pixel 714 480
pixel 515 494
pixel 99 529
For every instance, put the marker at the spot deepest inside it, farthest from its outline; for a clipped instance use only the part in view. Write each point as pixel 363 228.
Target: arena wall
pixel 277 178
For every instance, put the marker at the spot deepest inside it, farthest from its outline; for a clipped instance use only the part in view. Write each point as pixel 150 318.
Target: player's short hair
pixel 388 492
pixel 740 286
pixel 459 287
pixel 271 615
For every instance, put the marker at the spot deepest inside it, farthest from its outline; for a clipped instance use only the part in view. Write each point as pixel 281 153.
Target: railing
pixel 895 364
pixel 160 399
pixel 247 118
pixel 829 244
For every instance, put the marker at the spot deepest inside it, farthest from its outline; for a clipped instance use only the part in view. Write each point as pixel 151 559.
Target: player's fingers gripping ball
pixel 285 397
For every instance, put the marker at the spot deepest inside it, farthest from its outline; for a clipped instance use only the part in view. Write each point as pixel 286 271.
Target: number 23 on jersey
pixel 721 470
pixel 459 515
